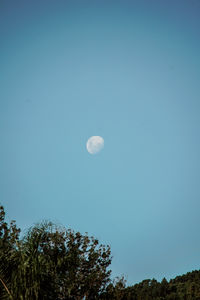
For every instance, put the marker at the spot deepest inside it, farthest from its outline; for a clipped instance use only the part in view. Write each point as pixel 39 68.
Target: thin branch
pixel 5 287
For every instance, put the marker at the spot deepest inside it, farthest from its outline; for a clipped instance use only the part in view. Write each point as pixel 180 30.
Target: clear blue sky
pixel 128 71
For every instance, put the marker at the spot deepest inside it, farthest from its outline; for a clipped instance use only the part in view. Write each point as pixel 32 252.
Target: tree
pixel 9 238
pixel 115 290
pixel 56 263
pixel 53 263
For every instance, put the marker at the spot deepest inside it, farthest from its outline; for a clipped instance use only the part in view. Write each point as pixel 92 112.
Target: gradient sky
pixel 128 71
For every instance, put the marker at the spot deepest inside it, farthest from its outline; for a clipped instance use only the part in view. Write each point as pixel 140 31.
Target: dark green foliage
pixel 9 239
pixel 185 287
pixel 52 263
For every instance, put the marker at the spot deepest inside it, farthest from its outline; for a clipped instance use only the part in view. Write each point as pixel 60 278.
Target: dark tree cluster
pixel 185 287
pixel 53 263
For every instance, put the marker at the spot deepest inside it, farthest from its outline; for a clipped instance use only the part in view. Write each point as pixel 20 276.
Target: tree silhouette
pixel 55 263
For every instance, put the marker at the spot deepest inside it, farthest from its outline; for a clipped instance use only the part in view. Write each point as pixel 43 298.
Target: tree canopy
pixel 55 263
pixel 51 262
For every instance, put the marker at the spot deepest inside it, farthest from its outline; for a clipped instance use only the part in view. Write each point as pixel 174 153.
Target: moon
pixel 95 144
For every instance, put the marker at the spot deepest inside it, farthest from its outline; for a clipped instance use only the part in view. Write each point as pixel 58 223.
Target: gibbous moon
pixel 95 144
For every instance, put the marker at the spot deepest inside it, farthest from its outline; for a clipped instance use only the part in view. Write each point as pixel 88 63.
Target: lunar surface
pixel 95 144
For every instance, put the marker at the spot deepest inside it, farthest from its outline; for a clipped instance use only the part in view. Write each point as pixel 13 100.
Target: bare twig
pixel 7 290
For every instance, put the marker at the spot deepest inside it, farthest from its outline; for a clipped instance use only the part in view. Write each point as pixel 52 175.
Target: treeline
pixel 185 287
pixel 53 263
